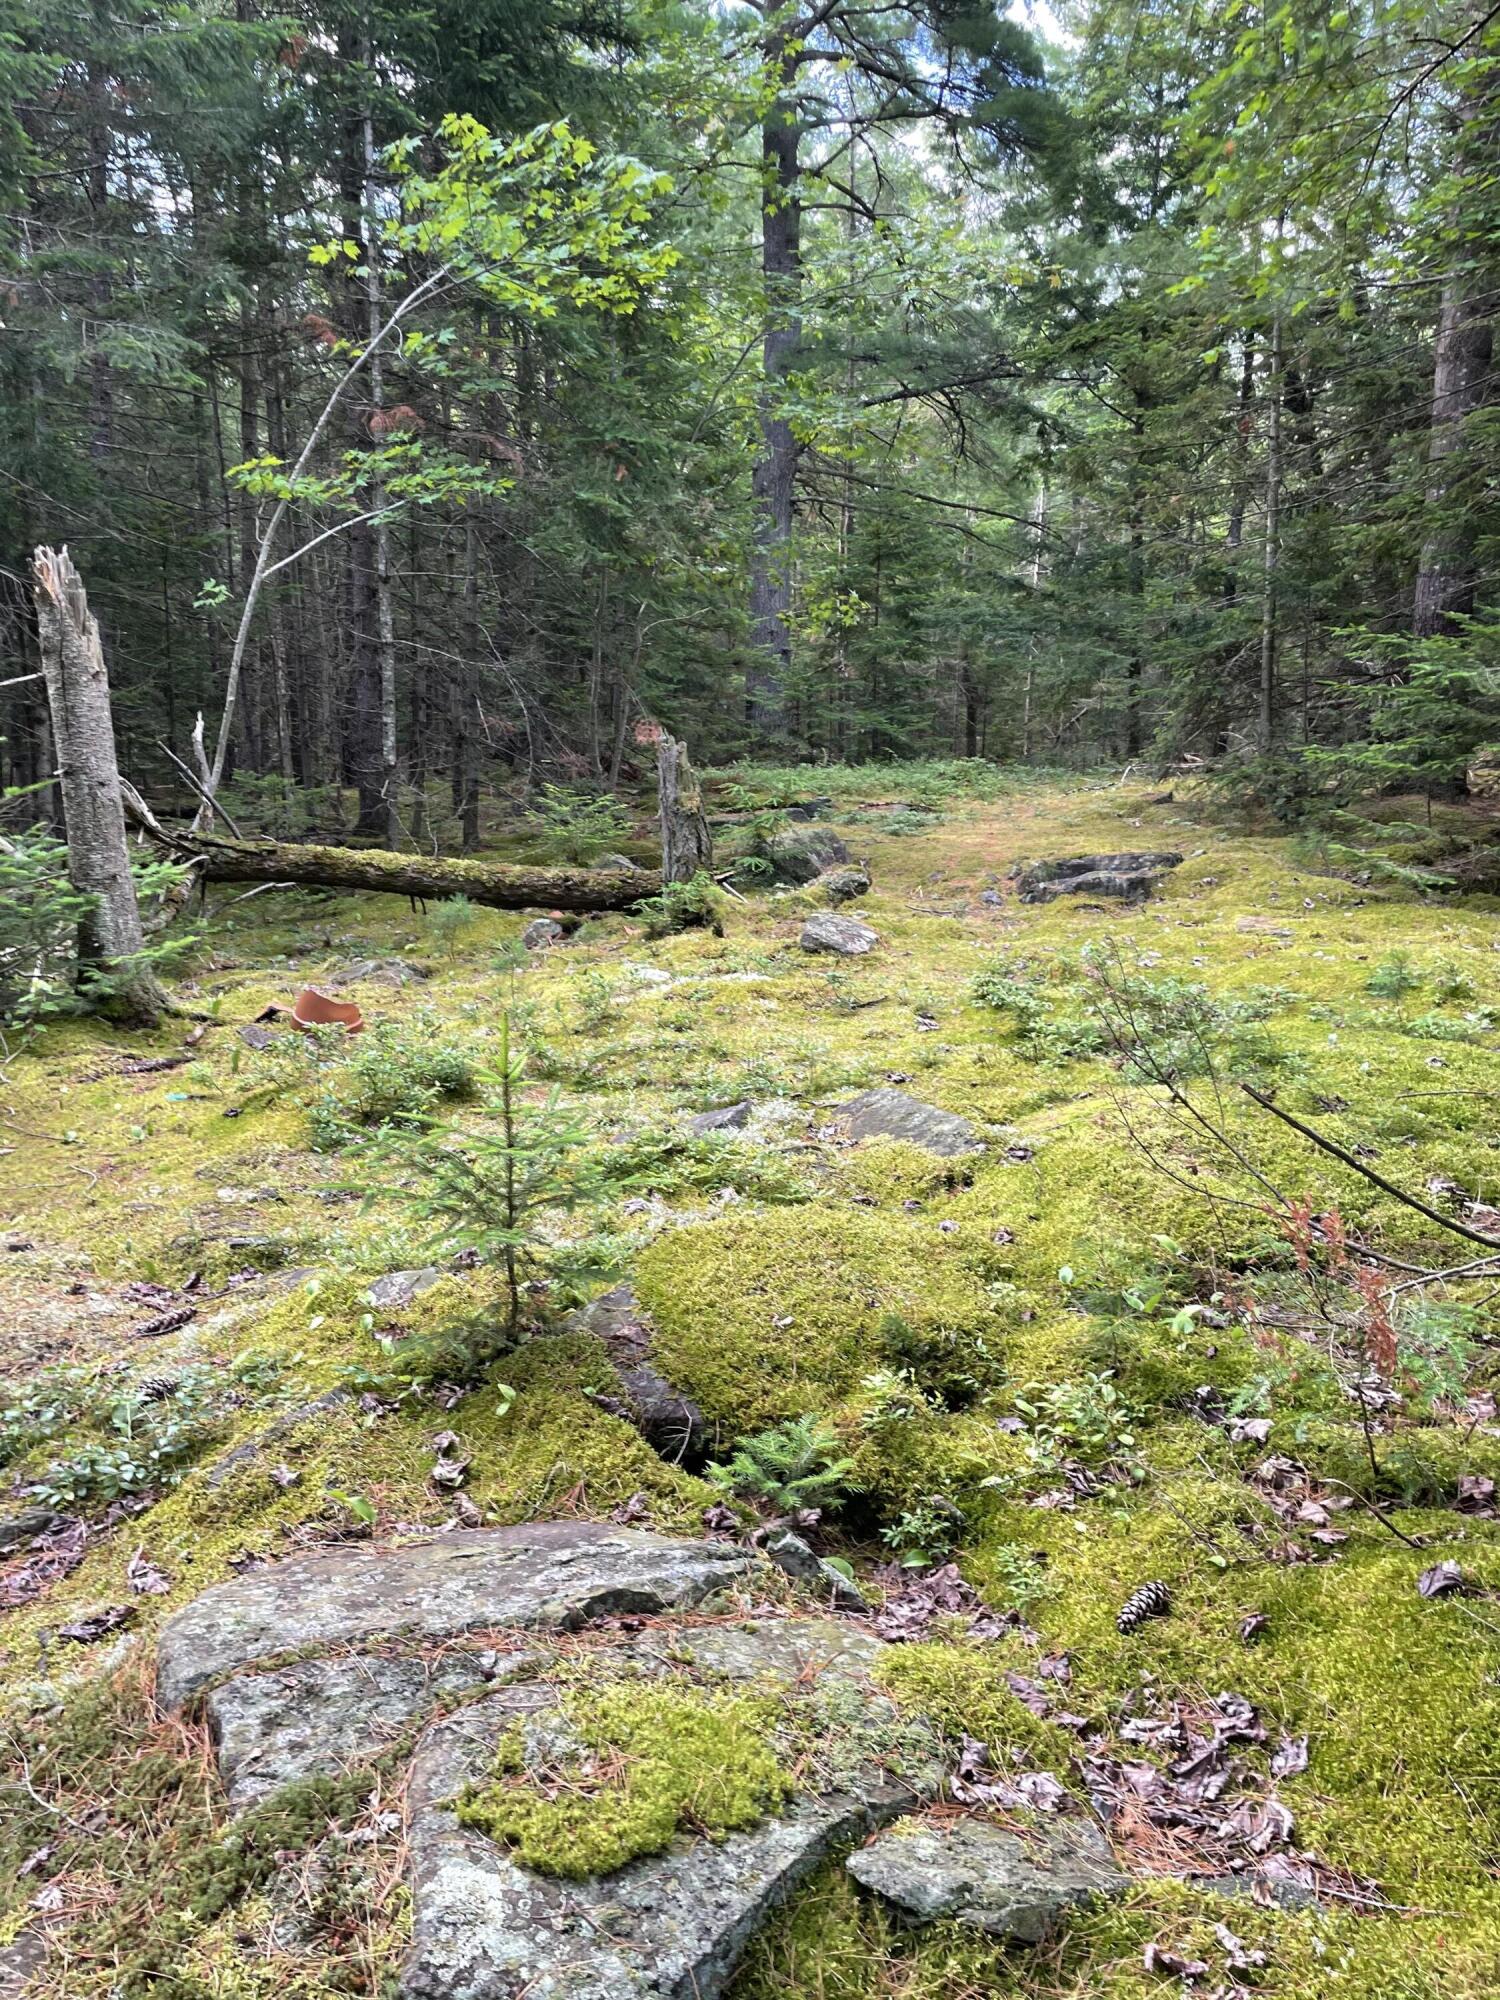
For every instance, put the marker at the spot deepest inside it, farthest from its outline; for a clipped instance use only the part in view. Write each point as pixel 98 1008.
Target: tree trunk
pixel 1461 366
pixel 686 844
pixel 1266 709
pixel 492 883
pixel 110 937
pixel 773 480
pixel 385 617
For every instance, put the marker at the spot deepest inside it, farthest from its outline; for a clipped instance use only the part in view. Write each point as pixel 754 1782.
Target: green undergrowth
pixel 1061 1362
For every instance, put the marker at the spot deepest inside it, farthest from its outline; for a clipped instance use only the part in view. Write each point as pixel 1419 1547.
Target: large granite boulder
pixel 1003 1883
pixel 550 1576
pixel 669 1925
pixel 891 1114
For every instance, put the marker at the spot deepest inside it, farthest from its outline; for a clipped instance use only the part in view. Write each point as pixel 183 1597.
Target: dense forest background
pixel 1109 385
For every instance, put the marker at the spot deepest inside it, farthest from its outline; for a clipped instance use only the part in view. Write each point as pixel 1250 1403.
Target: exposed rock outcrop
pixel 551 1576
pixel 1128 878
pixel 891 1114
pixel 1003 1883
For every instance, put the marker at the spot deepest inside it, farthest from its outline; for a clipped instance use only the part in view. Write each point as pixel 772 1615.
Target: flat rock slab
pixel 891 1114
pixel 548 1576
pixel 316 1718
pixel 846 937
pixel 669 1926
pixel 1005 1884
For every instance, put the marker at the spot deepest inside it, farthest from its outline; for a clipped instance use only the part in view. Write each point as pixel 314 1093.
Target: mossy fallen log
pixel 498 884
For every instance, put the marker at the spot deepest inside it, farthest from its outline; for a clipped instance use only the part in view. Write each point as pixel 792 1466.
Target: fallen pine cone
pixel 1152 1600
pixel 167 1322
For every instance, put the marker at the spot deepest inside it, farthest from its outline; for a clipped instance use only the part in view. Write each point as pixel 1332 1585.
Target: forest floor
pixel 1122 1344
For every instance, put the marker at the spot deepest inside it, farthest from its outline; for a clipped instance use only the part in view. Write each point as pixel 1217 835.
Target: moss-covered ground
pixel 1126 1342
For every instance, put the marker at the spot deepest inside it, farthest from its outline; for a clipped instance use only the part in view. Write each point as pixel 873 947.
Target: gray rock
pixel 396 1289
pixel 19 1529
pixel 844 935
pixel 379 972
pixel 796 1559
pixel 551 1575
pixel 22 1962
pixel 1128 878
pixel 982 1875
pixel 802 853
pixel 669 1926
pixel 841 885
pixel 541 933
pixel 732 1118
pixel 616 864
pixel 891 1114
pixel 319 1716
pixel 670 1422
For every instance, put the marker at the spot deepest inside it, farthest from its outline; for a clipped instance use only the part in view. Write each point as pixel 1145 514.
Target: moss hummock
pixel 631 1767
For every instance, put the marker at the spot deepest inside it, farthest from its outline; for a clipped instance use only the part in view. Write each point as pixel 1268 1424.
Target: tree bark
pixel 1461 366
pixel 494 884
pixel 773 480
pixel 1266 707
pixel 110 936
pixel 686 844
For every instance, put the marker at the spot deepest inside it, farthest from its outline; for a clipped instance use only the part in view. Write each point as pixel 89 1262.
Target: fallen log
pixel 496 884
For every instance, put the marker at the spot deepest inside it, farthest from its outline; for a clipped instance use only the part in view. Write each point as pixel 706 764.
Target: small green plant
pixel 575 825
pixel 1086 1422
pixel 926 1533
pixel 1020 1579
pixel 1450 982
pixel 893 1396
pixel 793 1468
pixel 449 920
pixel 1470 1027
pixel 396 1075
pixel 488 1188
pixel 698 904
pixel 596 1001
pixel 1394 977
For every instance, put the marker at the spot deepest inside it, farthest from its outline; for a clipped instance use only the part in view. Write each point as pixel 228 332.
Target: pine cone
pixel 157 1388
pixel 167 1322
pixel 1152 1600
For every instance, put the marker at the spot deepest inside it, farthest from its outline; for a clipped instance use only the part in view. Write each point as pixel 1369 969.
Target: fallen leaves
pixel 1444 1579
pixel 914 1601
pixel 145 1578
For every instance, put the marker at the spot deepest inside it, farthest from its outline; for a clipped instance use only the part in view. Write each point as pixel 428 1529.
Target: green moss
pixel 965 1692
pixel 768 1316
pixel 636 1765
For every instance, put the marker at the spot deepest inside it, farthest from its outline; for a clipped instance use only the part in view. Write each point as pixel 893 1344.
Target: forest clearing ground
pixel 1065 1302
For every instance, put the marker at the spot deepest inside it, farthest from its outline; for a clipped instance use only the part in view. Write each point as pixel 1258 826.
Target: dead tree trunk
pixel 493 883
pixel 687 846
pixel 110 937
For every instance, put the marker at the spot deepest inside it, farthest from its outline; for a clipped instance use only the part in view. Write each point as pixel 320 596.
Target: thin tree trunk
pixel 1266 712
pixel 385 615
pixel 110 936
pixel 773 481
